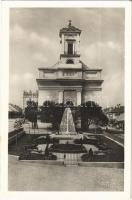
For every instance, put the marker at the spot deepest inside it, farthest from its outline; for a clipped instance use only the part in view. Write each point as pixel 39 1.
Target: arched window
pixel 69 61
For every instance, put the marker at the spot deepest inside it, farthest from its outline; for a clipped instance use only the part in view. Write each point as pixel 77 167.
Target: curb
pixel 118 165
pixel 46 162
pixel 14 156
pixel 102 164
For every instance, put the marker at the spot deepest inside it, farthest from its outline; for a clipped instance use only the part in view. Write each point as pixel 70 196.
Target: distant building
pixel 111 115
pixel 14 111
pixel 115 116
pixel 29 96
pixel 69 79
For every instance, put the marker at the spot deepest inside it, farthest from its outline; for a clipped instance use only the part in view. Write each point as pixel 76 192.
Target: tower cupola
pixel 70 43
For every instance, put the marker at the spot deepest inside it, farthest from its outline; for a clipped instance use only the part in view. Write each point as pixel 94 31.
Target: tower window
pixel 70 48
pixel 69 61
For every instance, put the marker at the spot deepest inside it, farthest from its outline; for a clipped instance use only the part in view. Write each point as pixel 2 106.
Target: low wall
pixel 15 135
pixel 48 162
pixel 14 132
pixel 114 131
pixel 81 164
pixel 102 164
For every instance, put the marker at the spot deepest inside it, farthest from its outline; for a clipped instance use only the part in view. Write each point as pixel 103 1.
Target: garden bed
pixel 68 148
pixel 37 156
pixel 108 151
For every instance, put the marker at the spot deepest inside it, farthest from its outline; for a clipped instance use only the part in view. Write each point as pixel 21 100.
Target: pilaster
pixel 61 96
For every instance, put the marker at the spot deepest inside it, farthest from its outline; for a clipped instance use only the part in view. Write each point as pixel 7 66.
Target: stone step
pixel 70 162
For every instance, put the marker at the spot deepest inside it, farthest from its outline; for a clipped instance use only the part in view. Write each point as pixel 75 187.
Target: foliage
pixel 91 113
pixel 31 110
pixel 52 113
pixel 118 109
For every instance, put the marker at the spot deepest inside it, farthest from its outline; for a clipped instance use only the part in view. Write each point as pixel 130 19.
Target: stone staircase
pixel 70 159
pixel 70 162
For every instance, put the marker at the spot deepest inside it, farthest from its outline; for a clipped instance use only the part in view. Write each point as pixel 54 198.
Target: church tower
pixel 70 44
pixel 69 79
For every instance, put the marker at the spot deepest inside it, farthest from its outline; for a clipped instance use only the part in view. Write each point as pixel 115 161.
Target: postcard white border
pixel 4 83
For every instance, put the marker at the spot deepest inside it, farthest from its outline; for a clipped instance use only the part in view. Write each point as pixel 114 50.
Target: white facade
pixel 69 79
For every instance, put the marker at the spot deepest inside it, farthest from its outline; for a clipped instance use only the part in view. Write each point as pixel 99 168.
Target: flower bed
pixel 37 156
pixel 67 148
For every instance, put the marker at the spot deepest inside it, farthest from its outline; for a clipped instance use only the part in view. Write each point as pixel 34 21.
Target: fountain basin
pixel 67 136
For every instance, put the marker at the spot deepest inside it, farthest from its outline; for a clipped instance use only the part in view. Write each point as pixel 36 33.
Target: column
pixel 62 45
pixel 78 45
pixel 79 97
pixel 61 96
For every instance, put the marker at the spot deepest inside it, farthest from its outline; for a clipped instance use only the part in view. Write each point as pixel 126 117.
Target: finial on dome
pixel 70 23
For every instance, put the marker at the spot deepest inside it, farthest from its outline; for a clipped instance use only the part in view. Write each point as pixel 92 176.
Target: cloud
pixel 99 46
pixel 35 38
pixel 18 33
pixel 39 57
pixel 115 46
pixel 34 42
pixel 113 89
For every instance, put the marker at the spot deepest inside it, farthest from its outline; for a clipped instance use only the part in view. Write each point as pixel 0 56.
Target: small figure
pixel 90 155
pixel 35 124
pixel 64 160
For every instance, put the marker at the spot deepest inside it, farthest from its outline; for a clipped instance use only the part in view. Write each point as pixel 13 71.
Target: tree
pixel 47 110
pixel 52 112
pixel 31 112
pixel 92 113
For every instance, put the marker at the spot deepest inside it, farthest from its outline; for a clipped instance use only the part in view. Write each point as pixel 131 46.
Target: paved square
pixel 27 176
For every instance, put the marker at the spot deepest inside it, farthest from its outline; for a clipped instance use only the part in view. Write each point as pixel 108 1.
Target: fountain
pixel 67 136
pixel 67 125
pixel 67 129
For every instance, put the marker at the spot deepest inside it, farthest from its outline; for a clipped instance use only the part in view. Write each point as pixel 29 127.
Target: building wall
pixel 60 74
pixel 92 75
pixel 48 94
pixel 95 96
pixel 55 95
pixel 75 60
pixel 52 74
pixel 70 96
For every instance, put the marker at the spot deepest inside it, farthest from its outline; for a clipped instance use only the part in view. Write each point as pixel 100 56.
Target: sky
pixel 35 42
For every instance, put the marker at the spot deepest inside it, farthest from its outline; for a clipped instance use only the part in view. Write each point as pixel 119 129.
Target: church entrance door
pixel 70 95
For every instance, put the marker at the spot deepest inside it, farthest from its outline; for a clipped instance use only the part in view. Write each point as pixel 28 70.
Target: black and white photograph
pixel 71 111
pixel 67 108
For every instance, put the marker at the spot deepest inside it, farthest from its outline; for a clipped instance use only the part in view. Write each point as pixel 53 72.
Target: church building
pixel 69 79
